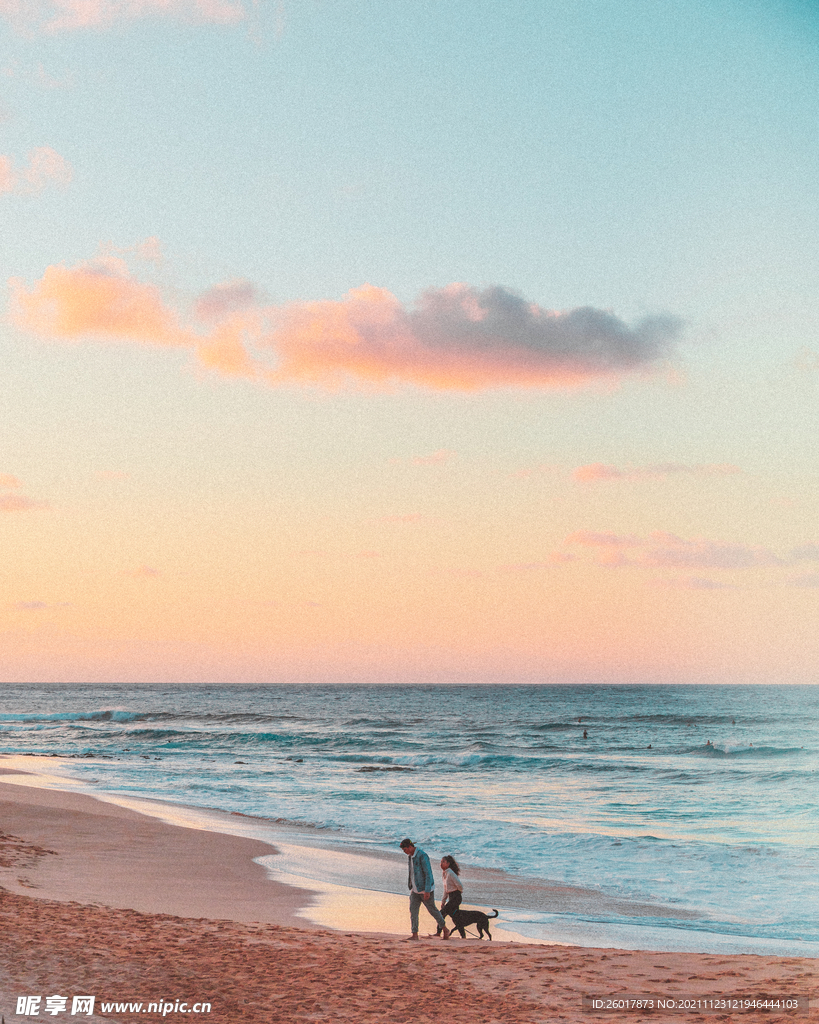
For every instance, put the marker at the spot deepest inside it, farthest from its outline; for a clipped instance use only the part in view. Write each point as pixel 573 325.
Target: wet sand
pixel 97 899
pixel 106 854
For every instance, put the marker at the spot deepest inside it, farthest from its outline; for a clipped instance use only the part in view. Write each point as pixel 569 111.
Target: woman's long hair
pixel 452 864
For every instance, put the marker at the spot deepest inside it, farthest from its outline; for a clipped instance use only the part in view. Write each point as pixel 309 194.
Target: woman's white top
pixel 452 882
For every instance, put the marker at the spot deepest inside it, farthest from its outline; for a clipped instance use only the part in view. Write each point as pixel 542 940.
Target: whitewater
pixel 687 815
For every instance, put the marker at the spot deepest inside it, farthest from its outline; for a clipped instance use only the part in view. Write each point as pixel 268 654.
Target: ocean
pixel 670 817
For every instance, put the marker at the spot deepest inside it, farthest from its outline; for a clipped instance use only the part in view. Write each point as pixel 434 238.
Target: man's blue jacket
pixel 419 863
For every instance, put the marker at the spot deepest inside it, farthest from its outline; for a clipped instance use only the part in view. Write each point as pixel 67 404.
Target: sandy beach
pixel 97 899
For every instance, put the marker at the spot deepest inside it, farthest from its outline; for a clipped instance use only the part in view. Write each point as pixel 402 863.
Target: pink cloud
pixel 455 338
pixel 100 299
pixel 561 557
pixel 597 471
pixel 459 338
pixel 45 166
pixel 8 482
pixel 19 503
pixel 66 15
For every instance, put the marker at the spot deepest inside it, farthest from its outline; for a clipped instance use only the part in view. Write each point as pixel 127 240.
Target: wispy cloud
pixel 560 557
pixel 67 15
pixel 667 550
pixel 455 338
pixel 805 553
pixel 19 503
pixel 597 471
pixel 663 550
pixel 16 502
pixel 610 548
pixel 808 580
pixel 215 303
pixel 45 166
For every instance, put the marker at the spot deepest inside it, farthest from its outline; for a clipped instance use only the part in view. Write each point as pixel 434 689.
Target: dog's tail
pixel 493 914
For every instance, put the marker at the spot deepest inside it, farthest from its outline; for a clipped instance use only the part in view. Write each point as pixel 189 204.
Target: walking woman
pixel 453 886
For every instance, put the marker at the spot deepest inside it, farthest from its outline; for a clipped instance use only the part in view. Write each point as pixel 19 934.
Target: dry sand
pixel 96 899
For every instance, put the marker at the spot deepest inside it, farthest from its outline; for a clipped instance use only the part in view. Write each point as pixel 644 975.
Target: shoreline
pixel 343 884
pixel 99 899
pixel 101 853
pixel 156 857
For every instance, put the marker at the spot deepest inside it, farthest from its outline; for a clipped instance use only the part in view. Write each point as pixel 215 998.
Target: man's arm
pixel 426 871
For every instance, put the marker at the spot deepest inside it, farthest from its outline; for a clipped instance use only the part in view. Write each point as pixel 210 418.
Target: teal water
pixel 703 798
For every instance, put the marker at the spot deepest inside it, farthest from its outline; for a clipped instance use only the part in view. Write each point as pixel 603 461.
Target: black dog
pixel 462 918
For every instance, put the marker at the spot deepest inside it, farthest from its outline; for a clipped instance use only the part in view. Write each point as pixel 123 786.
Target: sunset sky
pixel 392 341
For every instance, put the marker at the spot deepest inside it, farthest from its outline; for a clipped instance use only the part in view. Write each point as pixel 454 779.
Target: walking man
pixel 421 885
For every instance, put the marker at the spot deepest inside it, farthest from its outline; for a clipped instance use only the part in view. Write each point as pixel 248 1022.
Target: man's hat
pixel 405 843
